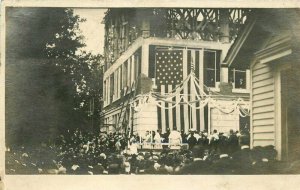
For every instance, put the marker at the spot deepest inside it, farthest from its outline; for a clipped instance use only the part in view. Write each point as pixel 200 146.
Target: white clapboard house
pixel 269 46
pixel 154 51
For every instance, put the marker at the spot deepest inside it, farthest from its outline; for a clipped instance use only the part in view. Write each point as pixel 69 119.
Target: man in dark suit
pixel 192 141
pixel 242 159
pixel 233 142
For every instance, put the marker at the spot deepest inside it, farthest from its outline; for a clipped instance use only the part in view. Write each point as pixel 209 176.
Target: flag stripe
pixel 197 75
pixel 185 91
pixel 174 111
pixel 163 118
pixel 194 120
pixel 182 128
pixel 189 61
pixel 177 110
pixel 167 110
pixel 205 113
pixel 201 76
pixel 159 118
pixel 159 113
pixel 170 111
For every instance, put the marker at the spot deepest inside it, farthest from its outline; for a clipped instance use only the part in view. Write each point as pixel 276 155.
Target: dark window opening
pixel 211 68
pixel 237 78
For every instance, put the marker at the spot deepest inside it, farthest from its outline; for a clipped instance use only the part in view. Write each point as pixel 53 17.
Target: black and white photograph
pixel 152 91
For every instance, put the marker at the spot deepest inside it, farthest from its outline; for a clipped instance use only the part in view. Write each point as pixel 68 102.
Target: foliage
pixel 83 68
pixel 47 77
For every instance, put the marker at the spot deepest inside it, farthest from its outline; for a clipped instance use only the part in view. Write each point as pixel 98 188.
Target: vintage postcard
pixel 122 95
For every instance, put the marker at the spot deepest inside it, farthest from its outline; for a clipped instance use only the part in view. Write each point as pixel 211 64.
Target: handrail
pixel 161 145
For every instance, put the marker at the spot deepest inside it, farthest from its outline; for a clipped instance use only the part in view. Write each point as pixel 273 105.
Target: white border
pixel 155 3
pixel 146 182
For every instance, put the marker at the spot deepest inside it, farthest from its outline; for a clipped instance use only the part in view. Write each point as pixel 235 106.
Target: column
pixel 224 25
pixel 248 79
pixel 145 60
pixel 201 82
pixel 224 74
pixel 185 92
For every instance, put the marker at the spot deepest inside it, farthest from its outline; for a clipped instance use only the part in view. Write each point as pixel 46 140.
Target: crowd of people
pixel 83 153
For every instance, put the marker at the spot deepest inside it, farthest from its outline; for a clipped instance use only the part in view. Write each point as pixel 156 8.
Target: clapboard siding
pixel 263 109
pixel 266 115
pixel 261 77
pixel 260 66
pixel 270 108
pixel 263 102
pixel 264 95
pixel 264 136
pixel 263 83
pixel 261 71
pixel 263 129
pixel 263 90
pixel 263 122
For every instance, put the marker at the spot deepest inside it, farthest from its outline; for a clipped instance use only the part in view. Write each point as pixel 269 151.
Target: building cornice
pixel 277 49
pixel 129 52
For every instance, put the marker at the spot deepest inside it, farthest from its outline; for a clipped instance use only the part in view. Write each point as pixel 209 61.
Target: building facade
pixel 269 46
pixel 155 50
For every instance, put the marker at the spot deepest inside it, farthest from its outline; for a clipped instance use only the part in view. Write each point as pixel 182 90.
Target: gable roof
pixel 239 41
pixel 261 27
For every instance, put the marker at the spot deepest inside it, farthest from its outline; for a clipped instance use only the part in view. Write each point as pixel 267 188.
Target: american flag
pixel 172 67
pixel 169 67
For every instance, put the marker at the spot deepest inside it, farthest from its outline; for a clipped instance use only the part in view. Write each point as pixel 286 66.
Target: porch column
pixel 224 74
pixel 224 25
pixel 145 60
pixel 248 79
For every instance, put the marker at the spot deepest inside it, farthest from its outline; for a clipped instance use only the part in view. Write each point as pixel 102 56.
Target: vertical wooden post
pixel 132 70
pixel 201 82
pixel 209 120
pixel 247 79
pixel 278 129
pixel 224 74
pixel 145 60
pixel 224 25
pixel 185 92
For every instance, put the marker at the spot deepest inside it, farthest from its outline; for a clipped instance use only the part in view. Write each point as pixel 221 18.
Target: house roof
pixel 260 28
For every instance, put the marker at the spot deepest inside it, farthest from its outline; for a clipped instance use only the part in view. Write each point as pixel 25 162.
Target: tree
pixel 88 81
pixel 44 70
pixel 83 68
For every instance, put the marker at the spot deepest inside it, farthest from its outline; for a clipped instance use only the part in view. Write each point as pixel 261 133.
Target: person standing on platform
pixel 192 141
pixel 157 138
pixel 183 136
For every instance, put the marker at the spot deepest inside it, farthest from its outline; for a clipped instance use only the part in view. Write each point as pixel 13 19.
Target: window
pixel 125 74
pixel 121 79
pixel 104 93
pixel 136 66
pixel 111 92
pixel 237 78
pixel 152 64
pixel 211 68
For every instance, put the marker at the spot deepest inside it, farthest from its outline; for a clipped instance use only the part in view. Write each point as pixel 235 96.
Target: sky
pixel 92 29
